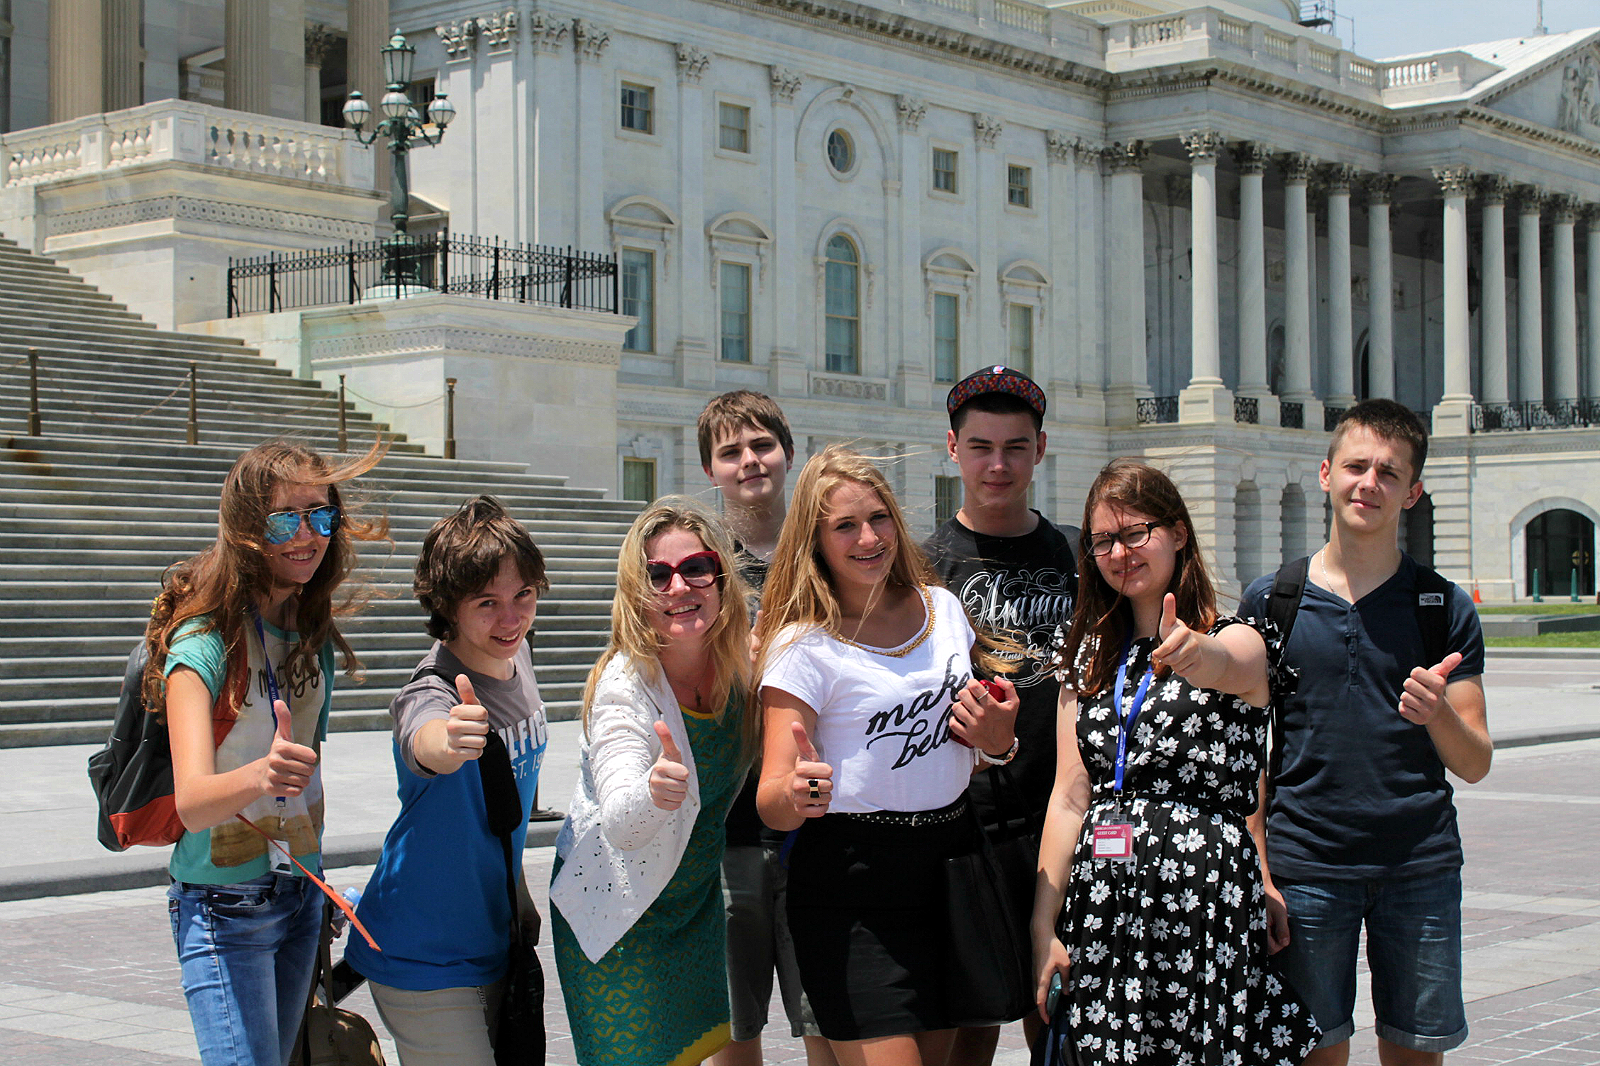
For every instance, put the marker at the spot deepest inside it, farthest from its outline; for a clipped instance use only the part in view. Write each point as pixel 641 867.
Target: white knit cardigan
pixel 617 848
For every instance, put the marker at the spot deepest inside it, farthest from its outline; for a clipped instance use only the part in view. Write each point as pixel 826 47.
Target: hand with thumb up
pixel 669 778
pixel 811 784
pixel 1422 696
pixel 467 729
pixel 288 765
pixel 1182 650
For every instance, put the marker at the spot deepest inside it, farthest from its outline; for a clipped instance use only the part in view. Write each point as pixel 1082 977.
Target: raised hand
pixel 984 715
pixel 466 731
pixel 288 766
pixel 811 785
pixel 1182 650
pixel 1422 695
pixel 669 778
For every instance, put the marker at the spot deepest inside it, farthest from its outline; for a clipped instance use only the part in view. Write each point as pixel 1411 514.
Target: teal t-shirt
pixel 232 852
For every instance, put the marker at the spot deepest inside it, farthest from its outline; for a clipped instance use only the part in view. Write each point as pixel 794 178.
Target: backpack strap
pixel 1433 614
pixel 1283 604
pixel 501 800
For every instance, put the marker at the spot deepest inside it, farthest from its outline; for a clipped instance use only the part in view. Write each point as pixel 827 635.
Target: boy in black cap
pixel 1016 574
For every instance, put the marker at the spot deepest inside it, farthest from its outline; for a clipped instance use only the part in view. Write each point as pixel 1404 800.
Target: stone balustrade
pixel 186 132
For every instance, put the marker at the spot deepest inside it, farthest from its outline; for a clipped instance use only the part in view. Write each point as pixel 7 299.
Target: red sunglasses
pixel 697 570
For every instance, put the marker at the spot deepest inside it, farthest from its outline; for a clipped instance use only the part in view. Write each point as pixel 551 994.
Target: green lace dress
pixel 659 997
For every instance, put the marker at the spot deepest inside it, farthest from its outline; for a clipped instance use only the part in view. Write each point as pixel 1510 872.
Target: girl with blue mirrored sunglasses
pixel 282 526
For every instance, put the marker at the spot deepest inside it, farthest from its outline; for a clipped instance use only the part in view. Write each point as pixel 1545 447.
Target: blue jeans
pixel 1413 951
pixel 247 952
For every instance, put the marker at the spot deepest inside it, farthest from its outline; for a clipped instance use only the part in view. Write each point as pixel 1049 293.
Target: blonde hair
pixel 728 641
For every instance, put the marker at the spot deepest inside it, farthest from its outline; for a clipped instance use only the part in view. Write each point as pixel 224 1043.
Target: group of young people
pixel 803 716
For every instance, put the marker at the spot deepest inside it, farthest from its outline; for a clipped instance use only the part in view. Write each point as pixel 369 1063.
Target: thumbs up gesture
pixel 1422 695
pixel 288 766
pixel 467 729
pixel 669 778
pixel 1182 650
pixel 811 784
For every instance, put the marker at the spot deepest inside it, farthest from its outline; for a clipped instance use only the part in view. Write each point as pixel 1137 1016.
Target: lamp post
pixel 402 125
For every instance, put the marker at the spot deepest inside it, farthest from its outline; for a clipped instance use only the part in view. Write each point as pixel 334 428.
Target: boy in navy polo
pixel 1361 828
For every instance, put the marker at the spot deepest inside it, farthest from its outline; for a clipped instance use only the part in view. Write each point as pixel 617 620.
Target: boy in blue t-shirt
pixel 1361 828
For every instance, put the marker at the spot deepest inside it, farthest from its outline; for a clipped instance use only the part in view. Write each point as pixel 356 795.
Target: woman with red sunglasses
pixel 241 642
pixel 636 893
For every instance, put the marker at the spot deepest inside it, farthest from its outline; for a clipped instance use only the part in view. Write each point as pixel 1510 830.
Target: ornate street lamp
pixel 403 126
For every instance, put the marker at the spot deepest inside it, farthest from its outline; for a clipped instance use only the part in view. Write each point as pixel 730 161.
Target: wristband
pixel 992 760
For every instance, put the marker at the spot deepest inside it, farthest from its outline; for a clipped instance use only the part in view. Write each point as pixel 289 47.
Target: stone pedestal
pixel 1205 403
pixel 1452 418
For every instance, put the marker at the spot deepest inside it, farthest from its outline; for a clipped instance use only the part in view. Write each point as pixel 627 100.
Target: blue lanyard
pixel 1125 722
pixel 272 685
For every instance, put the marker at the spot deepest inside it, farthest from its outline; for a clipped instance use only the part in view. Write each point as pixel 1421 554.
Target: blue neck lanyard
pixel 272 684
pixel 1125 721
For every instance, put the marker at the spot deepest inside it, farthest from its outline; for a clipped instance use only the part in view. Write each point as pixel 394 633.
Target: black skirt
pixel 869 917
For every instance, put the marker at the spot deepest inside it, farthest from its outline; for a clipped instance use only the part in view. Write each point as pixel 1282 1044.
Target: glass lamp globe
pixel 356 111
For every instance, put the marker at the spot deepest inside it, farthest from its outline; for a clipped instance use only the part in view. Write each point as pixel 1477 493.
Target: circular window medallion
pixel 841 152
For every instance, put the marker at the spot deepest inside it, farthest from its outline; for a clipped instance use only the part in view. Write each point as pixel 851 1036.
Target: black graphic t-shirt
pixel 1022 587
pixel 745 828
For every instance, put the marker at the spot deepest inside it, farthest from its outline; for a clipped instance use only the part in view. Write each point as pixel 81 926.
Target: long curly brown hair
pixel 1102 616
pixel 223 583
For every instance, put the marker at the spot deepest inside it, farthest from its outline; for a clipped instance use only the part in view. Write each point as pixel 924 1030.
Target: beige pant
pixel 445 1027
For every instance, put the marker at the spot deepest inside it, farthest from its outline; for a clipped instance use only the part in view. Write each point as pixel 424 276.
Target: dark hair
pixel 462 553
pixel 996 403
pixel 1101 615
pixel 732 411
pixel 1389 421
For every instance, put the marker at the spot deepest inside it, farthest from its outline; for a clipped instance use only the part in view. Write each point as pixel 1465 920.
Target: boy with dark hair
pixel 1016 574
pixel 1360 827
pixel 746 449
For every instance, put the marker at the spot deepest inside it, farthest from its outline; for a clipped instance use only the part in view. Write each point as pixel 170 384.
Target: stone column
pixel 1129 375
pixel 1493 376
pixel 697 367
pixel 77 64
pixel 247 67
pixel 914 378
pixel 1592 383
pixel 1251 159
pixel 1206 399
pixel 1380 286
pixel 1563 300
pixel 123 88
pixel 318 41
pixel 596 117
pixel 369 32
pixel 1452 415
pixel 1297 288
pixel 1530 298
pixel 787 370
pixel 1341 316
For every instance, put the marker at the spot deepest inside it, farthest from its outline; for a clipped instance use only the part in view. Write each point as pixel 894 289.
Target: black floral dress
pixel 1169 950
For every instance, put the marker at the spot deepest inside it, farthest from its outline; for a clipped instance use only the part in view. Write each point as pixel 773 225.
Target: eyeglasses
pixel 698 570
pixel 1133 536
pixel 283 525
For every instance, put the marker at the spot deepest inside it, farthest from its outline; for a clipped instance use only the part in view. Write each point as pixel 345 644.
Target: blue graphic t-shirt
pixel 437 903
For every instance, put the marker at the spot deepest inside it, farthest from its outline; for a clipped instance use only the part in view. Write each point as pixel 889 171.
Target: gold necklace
pixel 898 653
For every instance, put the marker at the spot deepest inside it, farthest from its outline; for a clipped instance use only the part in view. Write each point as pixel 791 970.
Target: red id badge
pixel 1113 842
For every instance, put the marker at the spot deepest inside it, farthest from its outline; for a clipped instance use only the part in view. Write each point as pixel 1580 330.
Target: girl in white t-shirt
pixel 873 725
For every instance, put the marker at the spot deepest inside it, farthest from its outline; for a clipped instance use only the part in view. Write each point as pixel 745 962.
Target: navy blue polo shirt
pixel 1362 793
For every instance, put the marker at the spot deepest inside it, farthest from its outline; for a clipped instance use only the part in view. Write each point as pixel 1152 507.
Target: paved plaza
pixel 90 976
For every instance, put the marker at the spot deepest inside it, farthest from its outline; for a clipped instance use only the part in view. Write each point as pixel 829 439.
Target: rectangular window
pixel 1020 328
pixel 639 299
pixel 733 282
pixel 638 108
pixel 946 336
pixel 944 170
pixel 946 498
pixel 1019 186
pixel 733 128
pixel 841 310
pixel 638 479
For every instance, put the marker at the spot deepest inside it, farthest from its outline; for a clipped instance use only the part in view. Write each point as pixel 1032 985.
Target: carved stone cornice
pixel 909 110
pixel 458 37
pixel 1338 178
pixel 1122 158
pixel 1090 156
pixel 1251 157
pixel 1203 146
pixel 692 63
pixel 1297 167
pixel 589 41
pixel 498 29
pixel 1530 199
pixel 1564 208
pixel 1455 181
pixel 783 82
pixel 1494 189
pixel 987 129
pixel 1591 215
pixel 1060 147
pixel 318 40
pixel 549 33
pixel 1380 187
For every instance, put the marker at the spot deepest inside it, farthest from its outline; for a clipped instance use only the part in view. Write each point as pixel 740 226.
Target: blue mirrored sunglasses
pixel 283 525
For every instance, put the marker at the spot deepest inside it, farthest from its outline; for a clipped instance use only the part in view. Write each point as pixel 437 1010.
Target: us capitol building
pixel 1205 230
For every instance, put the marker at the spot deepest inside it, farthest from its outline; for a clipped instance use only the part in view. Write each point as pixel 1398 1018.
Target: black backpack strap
pixel 1283 603
pixel 1433 615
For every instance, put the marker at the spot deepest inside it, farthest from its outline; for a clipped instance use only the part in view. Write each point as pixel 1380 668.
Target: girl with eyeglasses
pixel 873 726
pixel 636 891
pixel 1150 907
pixel 241 643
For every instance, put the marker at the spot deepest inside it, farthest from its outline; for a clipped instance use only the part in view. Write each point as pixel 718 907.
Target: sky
pixel 1384 28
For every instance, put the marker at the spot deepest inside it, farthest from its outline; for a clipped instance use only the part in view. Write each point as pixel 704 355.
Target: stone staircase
pixel 93 509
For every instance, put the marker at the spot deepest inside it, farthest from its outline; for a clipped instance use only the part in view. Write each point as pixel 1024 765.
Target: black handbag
pixel 1015 840
pixel 988 979
pixel 519 1038
pixel 1054 1046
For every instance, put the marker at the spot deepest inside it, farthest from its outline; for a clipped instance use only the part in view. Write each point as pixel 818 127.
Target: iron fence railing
pixel 1292 415
pixel 1536 414
pixel 1331 416
pixel 1156 409
pixel 472 266
pixel 1247 409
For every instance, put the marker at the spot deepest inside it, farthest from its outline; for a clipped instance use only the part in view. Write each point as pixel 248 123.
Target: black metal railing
pixel 1331 416
pixel 1292 415
pixel 1247 409
pixel 1536 414
pixel 1156 409
pixel 445 263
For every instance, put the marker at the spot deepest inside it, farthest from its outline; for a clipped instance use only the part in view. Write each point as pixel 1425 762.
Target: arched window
pixel 842 306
